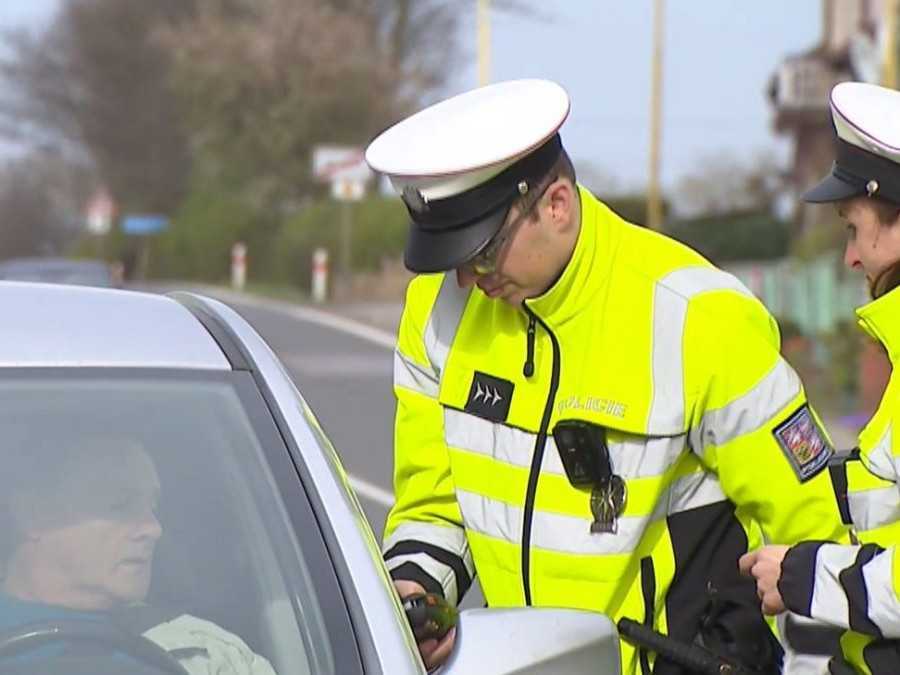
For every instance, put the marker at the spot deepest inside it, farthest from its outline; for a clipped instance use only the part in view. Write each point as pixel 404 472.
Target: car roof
pixel 48 325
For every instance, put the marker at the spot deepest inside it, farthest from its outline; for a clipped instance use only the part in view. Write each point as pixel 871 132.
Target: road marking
pixel 372 492
pixel 344 365
pixel 376 336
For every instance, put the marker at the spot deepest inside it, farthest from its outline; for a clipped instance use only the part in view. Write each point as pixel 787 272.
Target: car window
pixel 155 491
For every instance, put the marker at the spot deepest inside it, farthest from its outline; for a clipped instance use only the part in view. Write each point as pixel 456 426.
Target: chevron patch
pixel 489 397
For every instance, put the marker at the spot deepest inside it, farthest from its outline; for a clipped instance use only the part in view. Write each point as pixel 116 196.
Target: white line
pixel 376 336
pixel 373 492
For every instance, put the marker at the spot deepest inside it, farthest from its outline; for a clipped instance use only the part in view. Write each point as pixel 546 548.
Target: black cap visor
pixel 443 250
pixel 832 189
pixel 445 233
pixel 857 172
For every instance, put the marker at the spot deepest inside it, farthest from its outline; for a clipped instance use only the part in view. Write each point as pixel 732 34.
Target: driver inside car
pixel 77 539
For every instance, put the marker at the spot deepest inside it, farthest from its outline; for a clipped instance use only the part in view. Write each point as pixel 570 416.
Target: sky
pixel 718 58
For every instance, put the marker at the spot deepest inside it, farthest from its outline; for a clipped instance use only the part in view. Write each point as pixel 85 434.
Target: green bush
pixel 733 236
pixel 198 243
pixel 378 228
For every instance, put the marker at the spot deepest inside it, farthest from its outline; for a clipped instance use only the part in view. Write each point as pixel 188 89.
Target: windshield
pixel 150 498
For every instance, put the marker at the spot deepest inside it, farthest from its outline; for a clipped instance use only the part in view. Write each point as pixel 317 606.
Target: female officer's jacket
pixel 704 420
pixel 858 587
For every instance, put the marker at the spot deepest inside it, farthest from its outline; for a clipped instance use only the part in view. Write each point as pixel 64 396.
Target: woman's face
pixel 872 246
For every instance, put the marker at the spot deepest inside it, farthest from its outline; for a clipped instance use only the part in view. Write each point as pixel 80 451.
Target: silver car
pixel 162 472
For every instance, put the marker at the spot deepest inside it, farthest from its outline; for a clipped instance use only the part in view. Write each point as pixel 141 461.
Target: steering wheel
pixel 33 636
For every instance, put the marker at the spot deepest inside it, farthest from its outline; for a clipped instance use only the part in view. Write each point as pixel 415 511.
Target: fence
pixel 815 295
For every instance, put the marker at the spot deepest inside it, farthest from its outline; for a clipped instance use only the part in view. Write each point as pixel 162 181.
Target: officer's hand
pixel 434 652
pixel 765 566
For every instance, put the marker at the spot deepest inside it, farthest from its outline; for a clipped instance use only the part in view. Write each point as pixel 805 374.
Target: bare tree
pixel 41 200
pixel 94 81
pixel 723 183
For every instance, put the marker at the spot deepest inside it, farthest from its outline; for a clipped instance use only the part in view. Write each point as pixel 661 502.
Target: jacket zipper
pixel 538 456
pixel 528 368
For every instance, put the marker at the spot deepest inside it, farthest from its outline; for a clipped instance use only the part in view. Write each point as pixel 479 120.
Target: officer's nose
pixel 851 256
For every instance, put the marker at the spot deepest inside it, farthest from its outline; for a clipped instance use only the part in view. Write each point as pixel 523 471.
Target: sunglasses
pixel 484 262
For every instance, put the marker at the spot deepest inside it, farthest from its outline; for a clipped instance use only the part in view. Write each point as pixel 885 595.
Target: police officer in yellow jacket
pixel 858 587
pixel 588 413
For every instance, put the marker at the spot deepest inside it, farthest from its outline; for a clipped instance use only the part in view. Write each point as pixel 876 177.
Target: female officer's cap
pixel 867 144
pixel 461 163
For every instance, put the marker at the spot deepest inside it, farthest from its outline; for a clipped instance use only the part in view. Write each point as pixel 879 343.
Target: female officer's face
pixel 872 246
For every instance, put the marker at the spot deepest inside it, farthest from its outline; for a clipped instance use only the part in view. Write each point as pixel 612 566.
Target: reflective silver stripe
pixel 569 534
pixel 444 321
pixel 440 572
pixel 829 602
pixel 693 491
pixel 449 538
pixel 874 508
pixel 670 304
pixel 879 459
pixel 412 376
pixel 633 457
pixel 884 606
pixel 750 412
pixel 549 531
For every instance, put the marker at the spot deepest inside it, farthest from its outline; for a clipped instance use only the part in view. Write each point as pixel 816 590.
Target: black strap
pixel 837 469
pixel 648 588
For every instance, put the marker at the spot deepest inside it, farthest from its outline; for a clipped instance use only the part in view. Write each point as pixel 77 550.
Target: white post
pixel 319 275
pixel 238 265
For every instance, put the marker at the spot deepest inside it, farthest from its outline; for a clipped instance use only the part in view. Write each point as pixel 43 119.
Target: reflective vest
pixel 858 587
pixel 705 422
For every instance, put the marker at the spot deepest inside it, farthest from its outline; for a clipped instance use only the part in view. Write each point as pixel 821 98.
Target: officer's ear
pixel 562 204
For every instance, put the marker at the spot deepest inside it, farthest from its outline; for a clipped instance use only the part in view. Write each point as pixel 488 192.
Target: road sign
pixel 340 162
pixel 348 189
pixel 144 224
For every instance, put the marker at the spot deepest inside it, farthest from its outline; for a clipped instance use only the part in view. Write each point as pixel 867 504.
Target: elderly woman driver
pixel 858 587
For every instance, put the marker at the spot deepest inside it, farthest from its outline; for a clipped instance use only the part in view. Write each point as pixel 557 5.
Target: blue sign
pixel 144 224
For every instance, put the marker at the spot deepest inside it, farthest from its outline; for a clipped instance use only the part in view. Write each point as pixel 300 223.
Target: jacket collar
pixel 588 269
pixel 881 319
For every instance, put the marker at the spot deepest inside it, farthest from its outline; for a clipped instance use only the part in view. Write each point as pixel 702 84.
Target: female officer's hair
pixel 888 214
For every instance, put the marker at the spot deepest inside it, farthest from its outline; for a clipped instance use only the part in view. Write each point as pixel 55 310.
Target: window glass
pixel 148 501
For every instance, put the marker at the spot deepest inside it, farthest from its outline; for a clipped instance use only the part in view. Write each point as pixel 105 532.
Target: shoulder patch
pixel 804 443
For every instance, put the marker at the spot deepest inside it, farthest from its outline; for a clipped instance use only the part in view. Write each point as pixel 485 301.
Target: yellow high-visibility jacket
pixel 858 587
pixel 706 423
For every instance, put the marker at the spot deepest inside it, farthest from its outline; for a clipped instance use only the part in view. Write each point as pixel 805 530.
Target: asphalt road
pixel 343 369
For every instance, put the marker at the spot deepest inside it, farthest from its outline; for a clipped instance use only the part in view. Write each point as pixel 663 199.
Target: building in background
pixel 856 44
pixel 859 42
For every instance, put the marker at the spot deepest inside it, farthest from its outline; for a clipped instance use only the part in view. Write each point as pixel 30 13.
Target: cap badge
pixel 414 199
pixel 872 187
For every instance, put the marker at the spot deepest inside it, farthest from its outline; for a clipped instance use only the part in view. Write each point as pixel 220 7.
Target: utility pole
pixel 654 203
pixel 484 42
pixel 889 64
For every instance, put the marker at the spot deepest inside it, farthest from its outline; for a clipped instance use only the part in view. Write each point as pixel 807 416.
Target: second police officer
pixel 858 587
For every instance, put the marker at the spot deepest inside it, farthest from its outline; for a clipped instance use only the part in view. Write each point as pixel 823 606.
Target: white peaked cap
pixel 460 164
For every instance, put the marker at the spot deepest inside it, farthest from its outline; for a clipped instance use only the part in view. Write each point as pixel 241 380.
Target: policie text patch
pixel 489 397
pixel 804 443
